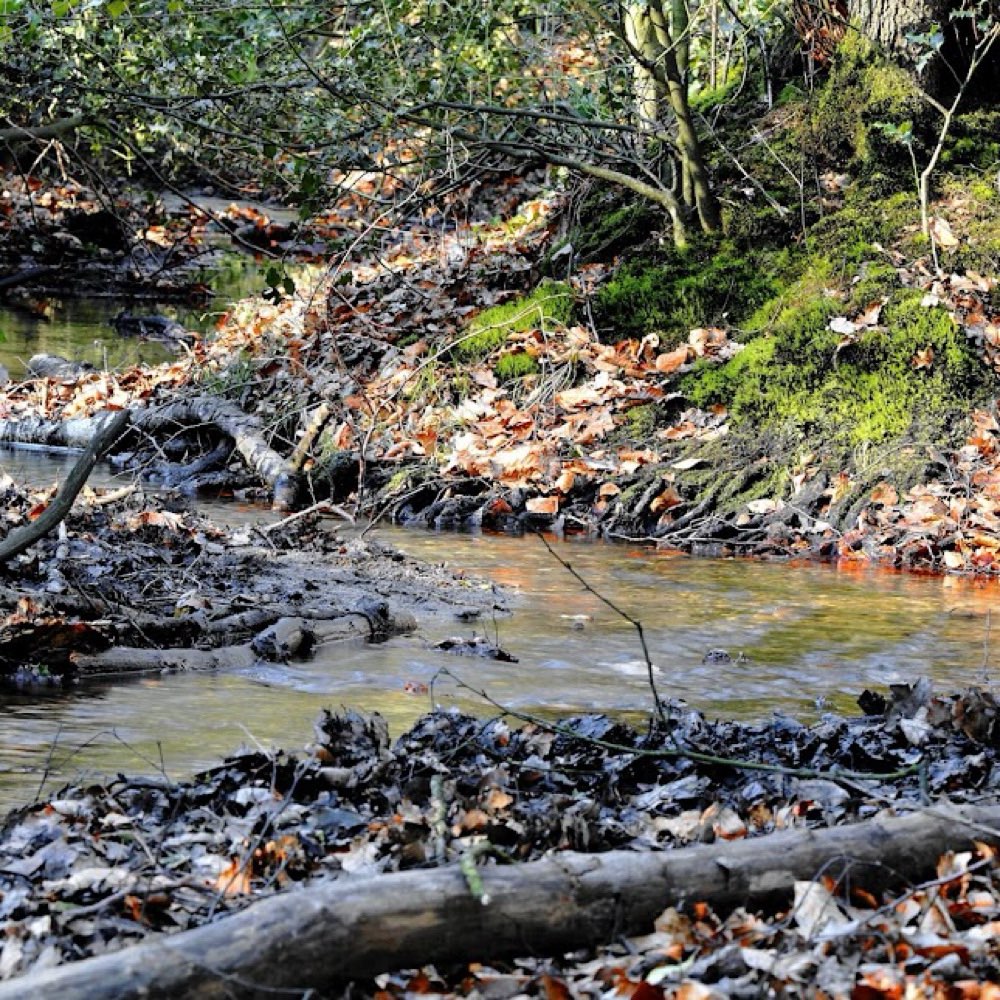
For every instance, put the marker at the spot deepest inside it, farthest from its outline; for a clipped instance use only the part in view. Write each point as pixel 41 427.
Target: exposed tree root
pixel 245 431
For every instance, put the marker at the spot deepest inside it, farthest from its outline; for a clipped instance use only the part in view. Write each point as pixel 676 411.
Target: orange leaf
pixel 543 505
pixel 885 494
pixel 234 879
pixel 565 481
pixel 672 360
pixel 667 499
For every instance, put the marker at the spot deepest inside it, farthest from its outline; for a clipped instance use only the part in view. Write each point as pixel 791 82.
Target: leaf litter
pixel 95 867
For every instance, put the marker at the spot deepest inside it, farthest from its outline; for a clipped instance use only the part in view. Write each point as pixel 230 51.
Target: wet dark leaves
pixel 137 856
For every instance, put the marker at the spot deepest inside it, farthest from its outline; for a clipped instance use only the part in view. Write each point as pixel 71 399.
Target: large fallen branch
pixel 319 937
pixel 20 539
pixel 244 429
pixel 31 133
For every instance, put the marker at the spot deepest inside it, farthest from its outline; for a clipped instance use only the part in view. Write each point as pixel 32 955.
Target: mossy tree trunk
pixel 893 26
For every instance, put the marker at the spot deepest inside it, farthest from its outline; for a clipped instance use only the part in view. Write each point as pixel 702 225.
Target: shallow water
pixel 81 330
pixel 812 636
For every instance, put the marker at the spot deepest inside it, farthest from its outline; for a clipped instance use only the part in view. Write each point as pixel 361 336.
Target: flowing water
pixel 812 637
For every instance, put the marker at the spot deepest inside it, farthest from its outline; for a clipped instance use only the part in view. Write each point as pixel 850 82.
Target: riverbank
pixel 132 583
pixel 94 870
pixel 848 416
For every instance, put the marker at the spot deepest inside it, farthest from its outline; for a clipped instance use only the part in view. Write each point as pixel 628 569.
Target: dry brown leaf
pixel 497 799
pixel 672 360
pixel 565 481
pixel 667 499
pixel 707 340
pixel 942 234
pixel 885 494
pixel 234 879
pixel 543 505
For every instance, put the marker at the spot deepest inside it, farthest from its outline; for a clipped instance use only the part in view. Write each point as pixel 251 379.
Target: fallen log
pixel 26 276
pixel 31 133
pixel 320 937
pixel 286 638
pixel 248 438
pixel 24 537
pixel 244 429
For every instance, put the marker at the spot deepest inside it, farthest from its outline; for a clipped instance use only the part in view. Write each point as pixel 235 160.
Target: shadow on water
pixel 81 330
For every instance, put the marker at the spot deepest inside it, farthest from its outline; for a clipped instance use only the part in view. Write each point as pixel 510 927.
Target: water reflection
pixel 810 635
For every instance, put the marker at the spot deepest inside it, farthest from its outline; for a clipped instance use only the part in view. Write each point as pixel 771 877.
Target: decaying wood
pixel 248 439
pixel 286 638
pixel 316 938
pixel 26 276
pixel 245 430
pixel 20 539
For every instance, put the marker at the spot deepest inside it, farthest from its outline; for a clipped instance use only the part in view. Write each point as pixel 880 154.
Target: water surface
pixel 812 637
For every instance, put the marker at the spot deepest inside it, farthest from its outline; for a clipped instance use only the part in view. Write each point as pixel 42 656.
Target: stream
pixel 813 636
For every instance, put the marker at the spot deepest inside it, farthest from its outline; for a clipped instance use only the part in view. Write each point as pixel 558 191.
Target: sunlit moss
pixel 914 375
pixel 515 365
pixel 697 287
pixel 550 304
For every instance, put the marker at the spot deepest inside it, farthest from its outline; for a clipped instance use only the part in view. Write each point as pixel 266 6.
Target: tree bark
pixel 324 935
pixel 244 429
pixel 887 23
pixel 22 538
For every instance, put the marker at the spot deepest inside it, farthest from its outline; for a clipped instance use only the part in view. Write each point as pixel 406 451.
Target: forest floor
pixel 92 869
pixel 431 375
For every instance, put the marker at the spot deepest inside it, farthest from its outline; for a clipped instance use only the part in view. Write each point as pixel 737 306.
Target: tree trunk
pixel 22 538
pixel 319 937
pixel 887 23
pixel 696 184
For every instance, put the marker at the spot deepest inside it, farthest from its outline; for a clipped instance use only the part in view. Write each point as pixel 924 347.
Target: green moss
pixel 515 365
pixel 974 140
pixel 551 303
pixel 802 377
pixel 611 222
pixel 640 422
pixel 703 101
pixel 699 287
pixel 845 239
pixel 398 480
pixel 863 93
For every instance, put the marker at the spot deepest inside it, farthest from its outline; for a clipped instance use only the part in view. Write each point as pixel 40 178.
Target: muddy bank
pixel 133 583
pixel 93 869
